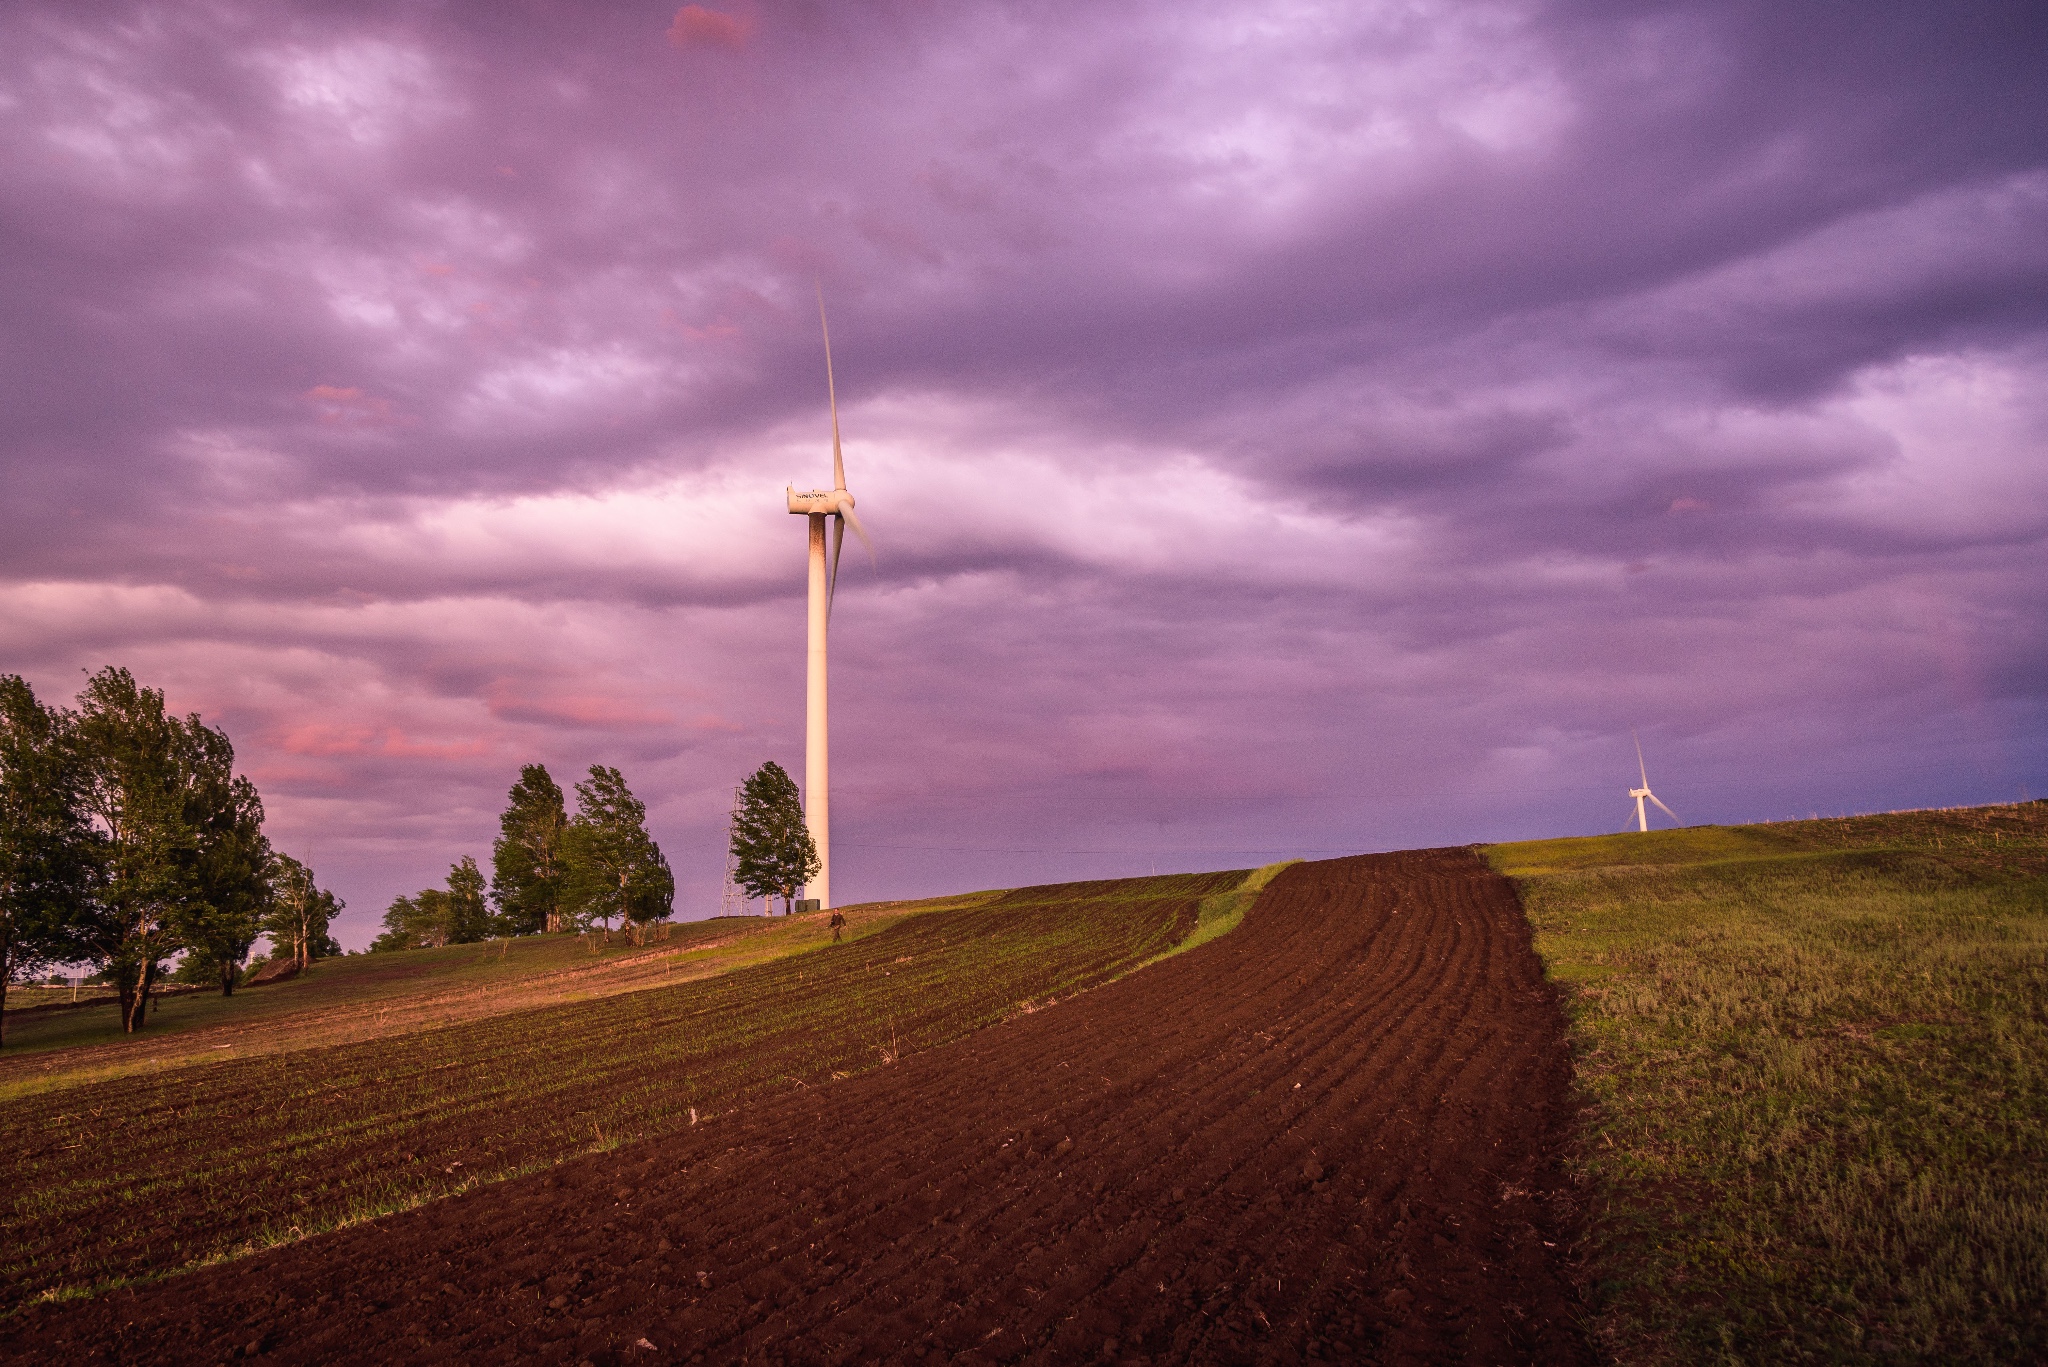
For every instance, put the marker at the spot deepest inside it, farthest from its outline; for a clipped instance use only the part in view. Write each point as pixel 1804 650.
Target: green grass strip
pixel 1222 913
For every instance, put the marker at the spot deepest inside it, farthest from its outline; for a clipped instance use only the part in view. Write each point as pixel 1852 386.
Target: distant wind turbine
pixel 1642 817
pixel 837 504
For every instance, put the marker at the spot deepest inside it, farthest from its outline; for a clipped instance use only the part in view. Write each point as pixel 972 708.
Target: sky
pixel 1293 429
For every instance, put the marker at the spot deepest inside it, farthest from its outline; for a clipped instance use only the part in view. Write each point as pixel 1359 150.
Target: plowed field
pixel 147 1174
pixel 1331 1134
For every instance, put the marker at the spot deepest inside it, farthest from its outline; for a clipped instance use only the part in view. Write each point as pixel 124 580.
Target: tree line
pixel 127 839
pixel 550 871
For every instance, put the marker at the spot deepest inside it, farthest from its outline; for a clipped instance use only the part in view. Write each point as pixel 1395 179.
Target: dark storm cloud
pixel 1309 427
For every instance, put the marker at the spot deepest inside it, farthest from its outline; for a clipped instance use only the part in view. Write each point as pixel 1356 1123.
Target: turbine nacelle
pixel 825 502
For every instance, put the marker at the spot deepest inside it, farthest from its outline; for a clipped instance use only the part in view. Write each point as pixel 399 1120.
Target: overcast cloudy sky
pixel 1285 428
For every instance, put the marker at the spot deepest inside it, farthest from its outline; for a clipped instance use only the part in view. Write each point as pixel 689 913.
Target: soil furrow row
pixel 1131 1175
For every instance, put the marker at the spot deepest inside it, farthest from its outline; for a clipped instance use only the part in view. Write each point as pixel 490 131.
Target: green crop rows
pixel 1815 1057
pixel 143 1175
pixel 323 1001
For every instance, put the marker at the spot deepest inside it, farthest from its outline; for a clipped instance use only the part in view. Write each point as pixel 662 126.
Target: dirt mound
pixel 276 971
pixel 1332 1134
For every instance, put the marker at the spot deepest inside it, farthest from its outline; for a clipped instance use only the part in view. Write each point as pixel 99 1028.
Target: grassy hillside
pixel 362 997
pixel 1815 1056
pixel 143 1174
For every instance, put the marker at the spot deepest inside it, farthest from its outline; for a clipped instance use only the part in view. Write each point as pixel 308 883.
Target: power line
pixel 992 849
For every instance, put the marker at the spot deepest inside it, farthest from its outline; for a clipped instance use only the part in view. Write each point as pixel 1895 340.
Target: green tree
pixel 432 917
pixel 231 890
pixel 469 915
pixel 163 795
pixel 419 921
pixel 197 968
pixel 526 858
pixel 773 854
pixel 300 913
pixel 611 866
pixel 48 852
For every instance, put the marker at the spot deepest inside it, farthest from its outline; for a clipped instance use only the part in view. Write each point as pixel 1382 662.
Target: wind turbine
pixel 1642 817
pixel 819 504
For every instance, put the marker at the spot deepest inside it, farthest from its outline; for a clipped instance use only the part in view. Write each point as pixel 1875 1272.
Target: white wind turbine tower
pixel 837 504
pixel 1642 817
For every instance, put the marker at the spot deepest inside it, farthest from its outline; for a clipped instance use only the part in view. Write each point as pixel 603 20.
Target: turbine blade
pixel 831 393
pixel 832 579
pixel 859 531
pixel 1639 756
pixel 1666 810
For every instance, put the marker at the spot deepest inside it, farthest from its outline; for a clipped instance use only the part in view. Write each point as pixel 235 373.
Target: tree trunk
pixel 6 967
pixel 227 978
pixel 136 1007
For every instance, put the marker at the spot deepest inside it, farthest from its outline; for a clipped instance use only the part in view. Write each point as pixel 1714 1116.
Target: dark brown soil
pixel 1331 1135
pixel 157 1171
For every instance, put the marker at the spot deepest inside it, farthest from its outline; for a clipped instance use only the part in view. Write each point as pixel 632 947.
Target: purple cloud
pixel 1285 431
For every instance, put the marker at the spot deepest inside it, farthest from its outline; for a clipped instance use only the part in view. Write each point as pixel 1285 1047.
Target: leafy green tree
pixel 469 915
pixel 197 968
pixel 231 889
pixel 300 912
pixel 773 854
pixel 611 866
pixel 200 969
pixel 432 917
pixel 48 852
pixel 526 858
pixel 163 795
pixel 414 922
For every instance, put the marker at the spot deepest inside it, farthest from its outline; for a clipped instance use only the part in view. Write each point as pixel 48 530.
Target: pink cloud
pixel 802 257
pixel 300 777
pixel 578 709
pixel 717 331
pixel 696 26
pixel 1686 503
pixel 350 407
pixel 326 741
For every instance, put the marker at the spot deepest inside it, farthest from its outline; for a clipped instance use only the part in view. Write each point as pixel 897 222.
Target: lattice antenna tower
pixel 733 900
